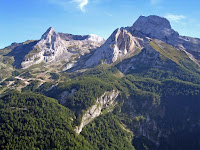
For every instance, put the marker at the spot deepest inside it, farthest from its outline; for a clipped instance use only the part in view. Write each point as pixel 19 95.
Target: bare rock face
pixel 155 27
pixel 119 45
pixel 50 47
pixel 107 100
pixel 58 47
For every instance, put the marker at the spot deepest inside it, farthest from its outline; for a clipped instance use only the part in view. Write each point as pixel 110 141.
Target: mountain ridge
pixel 123 43
pixel 144 30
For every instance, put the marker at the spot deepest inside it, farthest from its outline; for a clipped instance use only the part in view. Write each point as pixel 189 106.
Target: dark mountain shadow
pixel 182 118
pixel 20 52
pixel 80 64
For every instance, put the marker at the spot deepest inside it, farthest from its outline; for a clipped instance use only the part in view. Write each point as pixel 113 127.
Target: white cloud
pixel 81 4
pixel 107 14
pixel 175 18
pixel 66 4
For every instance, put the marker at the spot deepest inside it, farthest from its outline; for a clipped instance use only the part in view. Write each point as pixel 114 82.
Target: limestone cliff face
pixel 50 47
pixel 57 47
pixel 155 27
pixel 119 45
pixel 107 100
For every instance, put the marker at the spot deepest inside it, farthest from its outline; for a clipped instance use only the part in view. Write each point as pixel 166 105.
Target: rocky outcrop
pixel 155 27
pixel 50 47
pixel 57 47
pixel 65 94
pixel 107 100
pixel 119 45
pixel 69 51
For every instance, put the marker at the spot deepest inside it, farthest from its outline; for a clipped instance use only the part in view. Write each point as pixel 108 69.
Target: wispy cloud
pixel 107 14
pixel 66 4
pixel 81 4
pixel 175 18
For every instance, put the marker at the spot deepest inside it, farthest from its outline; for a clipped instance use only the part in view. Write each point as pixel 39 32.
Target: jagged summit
pixel 142 21
pixel 54 46
pixel 49 34
pixel 50 29
pixel 128 41
pixel 154 27
pixel 119 45
pixel 125 42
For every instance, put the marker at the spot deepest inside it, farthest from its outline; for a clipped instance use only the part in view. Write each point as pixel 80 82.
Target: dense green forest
pixel 32 121
pixel 151 103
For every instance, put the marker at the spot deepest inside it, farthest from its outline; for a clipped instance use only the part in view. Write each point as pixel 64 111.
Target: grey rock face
pixel 119 45
pixel 107 100
pixel 155 27
pixel 55 46
pixel 47 49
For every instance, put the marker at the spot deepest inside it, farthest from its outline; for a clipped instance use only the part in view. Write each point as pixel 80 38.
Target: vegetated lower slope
pixel 160 110
pixel 145 106
pixel 6 68
pixel 144 109
pixel 32 121
pixel 159 55
pixel 106 132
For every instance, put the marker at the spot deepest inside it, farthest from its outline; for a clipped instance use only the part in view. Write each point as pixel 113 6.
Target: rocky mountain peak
pixel 49 34
pixel 61 47
pixel 124 42
pixel 119 45
pixel 50 30
pixel 153 21
pixel 154 27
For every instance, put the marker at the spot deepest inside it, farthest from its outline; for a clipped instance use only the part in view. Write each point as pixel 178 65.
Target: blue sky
pixel 21 20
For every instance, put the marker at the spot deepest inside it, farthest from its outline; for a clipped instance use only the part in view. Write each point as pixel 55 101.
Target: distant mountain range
pixel 145 42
